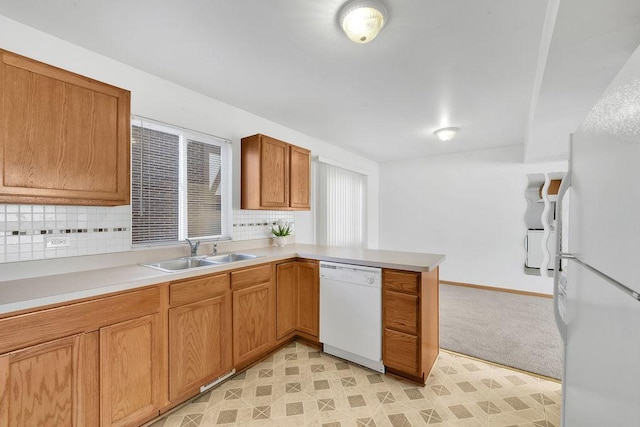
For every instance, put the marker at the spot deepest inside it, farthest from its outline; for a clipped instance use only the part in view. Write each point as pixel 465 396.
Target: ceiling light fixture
pixel 446 134
pixel 362 20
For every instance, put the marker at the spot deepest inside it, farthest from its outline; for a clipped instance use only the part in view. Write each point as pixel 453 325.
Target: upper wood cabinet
pixel 274 175
pixel 64 138
pixel 300 178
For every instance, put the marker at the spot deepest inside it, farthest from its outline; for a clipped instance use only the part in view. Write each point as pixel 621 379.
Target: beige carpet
pixel 510 329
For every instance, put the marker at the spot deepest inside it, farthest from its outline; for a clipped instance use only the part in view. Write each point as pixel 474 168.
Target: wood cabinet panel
pixel 39 385
pixel 41 326
pixel 274 173
pixel 65 138
pixel 130 371
pixel 299 182
pixel 410 322
pixel 400 312
pixel 250 276
pixel 401 351
pixel 254 315
pixel 308 303
pixel 193 290
pixel 200 344
pixel 404 281
pixel 90 380
pixel 429 318
pixel 286 292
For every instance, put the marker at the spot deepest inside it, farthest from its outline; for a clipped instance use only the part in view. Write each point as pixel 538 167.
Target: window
pixel 341 206
pixel 180 184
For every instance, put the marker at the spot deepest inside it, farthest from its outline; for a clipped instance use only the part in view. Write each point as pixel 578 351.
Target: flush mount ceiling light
pixel 446 134
pixel 362 20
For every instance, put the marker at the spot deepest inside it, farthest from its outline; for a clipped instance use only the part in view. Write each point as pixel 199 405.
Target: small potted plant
pixel 280 232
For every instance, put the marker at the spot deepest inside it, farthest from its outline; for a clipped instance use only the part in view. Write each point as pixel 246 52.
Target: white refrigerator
pixel 597 297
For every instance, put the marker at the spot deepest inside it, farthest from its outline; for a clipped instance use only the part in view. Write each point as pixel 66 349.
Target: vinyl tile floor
pixel 300 386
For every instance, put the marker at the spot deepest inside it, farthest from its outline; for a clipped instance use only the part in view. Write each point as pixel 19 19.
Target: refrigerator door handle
pixel 633 294
pixel 557 295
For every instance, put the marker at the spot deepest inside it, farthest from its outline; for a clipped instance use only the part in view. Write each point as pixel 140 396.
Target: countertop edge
pixel 379 264
pixel 149 277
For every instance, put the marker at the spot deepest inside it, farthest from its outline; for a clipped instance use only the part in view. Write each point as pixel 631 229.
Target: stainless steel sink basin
pixel 188 263
pixel 226 258
pixel 179 264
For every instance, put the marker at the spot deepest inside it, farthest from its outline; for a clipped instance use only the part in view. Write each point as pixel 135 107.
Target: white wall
pixel 161 100
pixel 468 206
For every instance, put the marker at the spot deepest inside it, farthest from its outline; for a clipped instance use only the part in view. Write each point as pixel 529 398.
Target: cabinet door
pixel 200 344
pixel 300 183
pixel 274 173
pixel 39 385
pixel 308 303
pixel 129 371
pixel 253 321
pixel 286 305
pixel 65 138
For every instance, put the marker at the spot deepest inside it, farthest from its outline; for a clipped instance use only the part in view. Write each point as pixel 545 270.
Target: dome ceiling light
pixel 362 20
pixel 446 134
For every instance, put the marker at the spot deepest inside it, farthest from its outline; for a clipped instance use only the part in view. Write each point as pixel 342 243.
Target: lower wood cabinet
pixel 40 385
pixel 119 360
pixel 298 299
pixel 410 341
pixel 199 334
pixel 254 313
pixel 308 319
pixel 130 371
pixel 287 296
pixel 91 363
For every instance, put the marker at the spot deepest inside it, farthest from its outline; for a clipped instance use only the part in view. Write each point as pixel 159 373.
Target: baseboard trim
pixel 511 368
pixel 493 288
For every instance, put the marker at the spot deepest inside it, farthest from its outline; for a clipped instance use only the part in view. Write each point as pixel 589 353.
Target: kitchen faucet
pixel 215 248
pixel 193 246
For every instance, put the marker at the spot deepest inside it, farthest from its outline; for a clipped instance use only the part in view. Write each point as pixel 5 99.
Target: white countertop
pixel 27 293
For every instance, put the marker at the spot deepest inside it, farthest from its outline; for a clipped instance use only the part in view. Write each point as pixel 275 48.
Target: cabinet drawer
pixel 400 351
pixel 251 276
pixel 400 312
pixel 401 281
pixel 194 290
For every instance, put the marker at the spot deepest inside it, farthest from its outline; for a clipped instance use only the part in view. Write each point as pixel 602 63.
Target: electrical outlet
pixel 57 241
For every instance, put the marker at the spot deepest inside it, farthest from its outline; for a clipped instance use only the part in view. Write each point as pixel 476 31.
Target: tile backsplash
pixel 29 232
pixel 249 225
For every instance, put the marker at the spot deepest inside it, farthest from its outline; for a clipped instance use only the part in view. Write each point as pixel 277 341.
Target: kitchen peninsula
pixel 98 329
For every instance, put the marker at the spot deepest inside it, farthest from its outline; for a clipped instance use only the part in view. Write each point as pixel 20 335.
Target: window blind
pixel 154 185
pixel 181 184
pixel 341 206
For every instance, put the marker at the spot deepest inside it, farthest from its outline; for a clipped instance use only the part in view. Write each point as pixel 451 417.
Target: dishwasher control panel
pixel 356 274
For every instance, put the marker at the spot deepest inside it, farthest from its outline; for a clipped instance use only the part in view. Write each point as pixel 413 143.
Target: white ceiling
pixel 491 67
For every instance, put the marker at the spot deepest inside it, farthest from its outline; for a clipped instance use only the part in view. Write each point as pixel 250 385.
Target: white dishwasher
pixel 351 313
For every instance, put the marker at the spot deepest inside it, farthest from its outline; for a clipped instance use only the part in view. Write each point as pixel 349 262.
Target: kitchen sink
pixel 225 258
pixel 179 264
pixel 188 263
